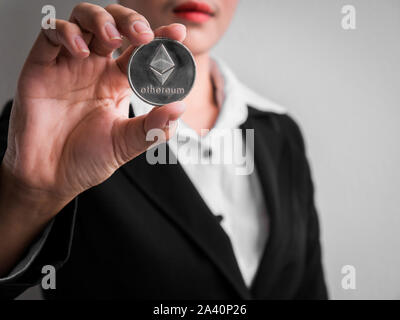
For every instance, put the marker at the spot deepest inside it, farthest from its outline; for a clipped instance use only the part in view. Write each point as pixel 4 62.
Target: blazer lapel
pixel 169 188
pixel 268 147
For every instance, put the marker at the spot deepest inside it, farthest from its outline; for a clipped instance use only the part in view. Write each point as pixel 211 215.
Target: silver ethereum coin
pixel 162 71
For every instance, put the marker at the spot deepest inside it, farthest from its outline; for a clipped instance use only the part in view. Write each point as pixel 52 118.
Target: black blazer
pixel 146 233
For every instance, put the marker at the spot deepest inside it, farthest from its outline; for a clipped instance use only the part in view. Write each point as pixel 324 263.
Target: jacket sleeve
pixel 52 246
pixel 312 283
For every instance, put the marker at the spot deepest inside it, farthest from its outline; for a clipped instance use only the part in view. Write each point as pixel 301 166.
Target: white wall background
pixel 344 89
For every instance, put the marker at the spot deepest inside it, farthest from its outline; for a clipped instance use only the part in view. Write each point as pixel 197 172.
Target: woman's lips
pixel 193 16
pixel 194 11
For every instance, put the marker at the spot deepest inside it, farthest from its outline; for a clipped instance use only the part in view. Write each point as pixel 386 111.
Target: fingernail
pixel 112 31
pixel 141 27
pixel 81 44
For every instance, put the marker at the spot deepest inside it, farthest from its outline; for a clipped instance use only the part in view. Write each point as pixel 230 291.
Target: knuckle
pixel 80 7
pixel 65 28
pixel 61 28
pixel 132 17
pixel 113 6
pixel 69 29
pixel 54 36
pixel 99 17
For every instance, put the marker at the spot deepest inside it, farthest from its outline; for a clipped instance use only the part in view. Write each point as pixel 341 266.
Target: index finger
pixel 174 31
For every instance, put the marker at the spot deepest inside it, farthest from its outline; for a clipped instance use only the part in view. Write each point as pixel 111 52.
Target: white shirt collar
pixel 234 110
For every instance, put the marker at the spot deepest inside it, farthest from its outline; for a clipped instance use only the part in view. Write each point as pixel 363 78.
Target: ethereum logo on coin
pixel 162 64
pixel 161 72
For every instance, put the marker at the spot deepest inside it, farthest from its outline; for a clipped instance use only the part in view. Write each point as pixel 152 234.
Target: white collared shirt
pixel 229 188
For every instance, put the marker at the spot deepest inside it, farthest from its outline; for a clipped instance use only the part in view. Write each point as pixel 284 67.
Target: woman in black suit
pixel 77 191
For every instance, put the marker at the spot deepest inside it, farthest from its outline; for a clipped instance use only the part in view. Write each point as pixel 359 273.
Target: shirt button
pixel 207 153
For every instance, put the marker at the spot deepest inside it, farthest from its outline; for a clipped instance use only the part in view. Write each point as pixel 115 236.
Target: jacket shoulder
pixel 282 123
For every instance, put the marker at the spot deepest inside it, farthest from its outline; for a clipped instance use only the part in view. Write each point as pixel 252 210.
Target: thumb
pixel 132 137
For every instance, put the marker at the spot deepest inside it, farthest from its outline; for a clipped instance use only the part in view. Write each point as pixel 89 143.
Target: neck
pixel 201 108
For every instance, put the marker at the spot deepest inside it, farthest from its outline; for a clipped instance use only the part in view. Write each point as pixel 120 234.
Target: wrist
pixel 19 203
pixel 24 213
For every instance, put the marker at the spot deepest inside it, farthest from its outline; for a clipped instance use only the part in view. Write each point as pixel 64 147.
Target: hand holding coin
pixel 75 96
